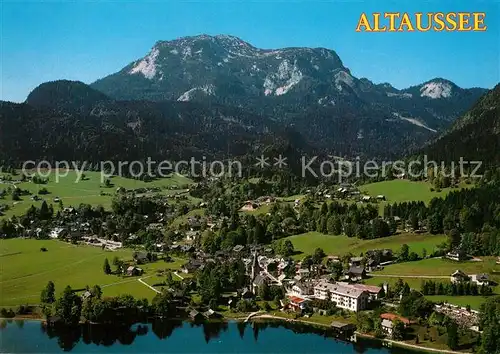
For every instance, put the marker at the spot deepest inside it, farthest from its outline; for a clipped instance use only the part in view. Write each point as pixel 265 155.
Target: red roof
pixel 393 317
pixel 296 300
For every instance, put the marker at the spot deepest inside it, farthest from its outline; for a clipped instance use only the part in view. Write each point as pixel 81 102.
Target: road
pixel 179 276
pixel 149 286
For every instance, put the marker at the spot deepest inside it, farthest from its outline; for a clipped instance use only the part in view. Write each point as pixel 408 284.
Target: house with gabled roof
pixel 459 276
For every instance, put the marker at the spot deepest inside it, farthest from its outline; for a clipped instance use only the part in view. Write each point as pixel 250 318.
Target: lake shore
pixel 253 317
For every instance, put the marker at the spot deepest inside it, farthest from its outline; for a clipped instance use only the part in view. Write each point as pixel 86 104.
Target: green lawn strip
pixel 184 218
pixel 87 191
pixel 339 245
pixel 475 302
pixel 444 267
pixel 397 191
pixel 439 267
pixel 26 270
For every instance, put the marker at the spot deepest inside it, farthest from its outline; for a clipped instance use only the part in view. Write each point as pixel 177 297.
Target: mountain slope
pixel 65 94
pixel 282 83
pixel 78 123
pixel 475 136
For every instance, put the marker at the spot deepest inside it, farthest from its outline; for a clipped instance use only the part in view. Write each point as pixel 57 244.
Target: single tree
pixel 106 267
pixel 48 294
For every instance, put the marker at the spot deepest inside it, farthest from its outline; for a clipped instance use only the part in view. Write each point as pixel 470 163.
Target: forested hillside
pixel 475 136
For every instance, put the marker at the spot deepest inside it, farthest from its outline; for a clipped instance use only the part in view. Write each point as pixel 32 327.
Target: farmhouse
pixel 210 314
pixel 459 276
pixel 132 270
pixel 192 266
pixel 356 273
pixel 140 257
pixel 249 206
pixel 480 279
pixel 345 296
pixel 192 235
pixel 194 223
pixel 457 255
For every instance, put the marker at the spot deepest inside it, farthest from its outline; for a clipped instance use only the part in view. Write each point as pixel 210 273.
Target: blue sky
pixel 42 41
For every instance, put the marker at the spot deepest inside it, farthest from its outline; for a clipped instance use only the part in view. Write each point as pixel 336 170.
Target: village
pixel 224 256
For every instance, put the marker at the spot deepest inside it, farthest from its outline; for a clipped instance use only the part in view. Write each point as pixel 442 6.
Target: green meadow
pixel 88 191
pixel 26 270
pixel 442 267
pixel 438 269
pixel 339 245
pixel 401 190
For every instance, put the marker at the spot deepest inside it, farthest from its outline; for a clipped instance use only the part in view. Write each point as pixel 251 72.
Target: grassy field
pixel 339 245
pixel 441 267
pixel 415 283
pixel 474 302
pixel 437 267
pixel 184 218
pixel 26 270
pixel 397 191
pixel 87 191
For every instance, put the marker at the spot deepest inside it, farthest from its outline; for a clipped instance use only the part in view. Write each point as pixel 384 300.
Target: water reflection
pixel 106 335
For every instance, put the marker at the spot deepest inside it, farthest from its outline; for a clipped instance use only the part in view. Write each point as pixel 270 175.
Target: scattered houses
pixel 100 242
pixel 192 266
pixel 479 279
pixel 457 255
pixel 211 314
pixel 133 271
pixel 356 273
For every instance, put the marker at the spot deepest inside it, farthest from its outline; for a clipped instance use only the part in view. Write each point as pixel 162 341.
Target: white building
pixel 56 232
pixel 480 279
pixel 302 289
pixel 387 327
pixel 344 295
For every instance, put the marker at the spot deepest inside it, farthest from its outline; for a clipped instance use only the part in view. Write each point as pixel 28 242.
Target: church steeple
pixel 255 266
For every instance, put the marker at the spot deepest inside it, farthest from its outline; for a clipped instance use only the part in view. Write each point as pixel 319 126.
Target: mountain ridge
pixel 279 82
pixel 475 136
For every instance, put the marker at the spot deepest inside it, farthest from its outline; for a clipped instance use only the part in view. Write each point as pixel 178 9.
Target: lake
pixel 18 336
